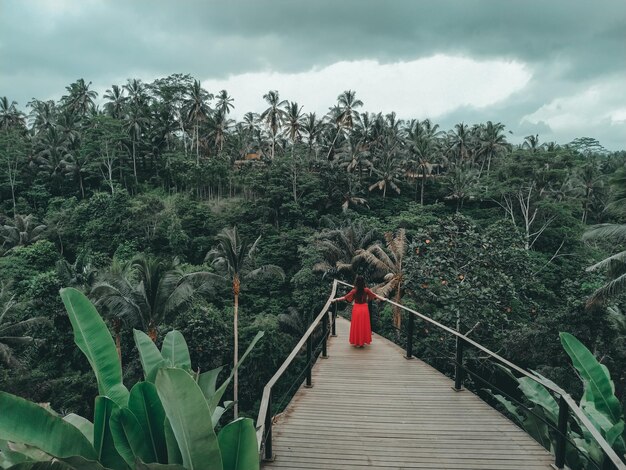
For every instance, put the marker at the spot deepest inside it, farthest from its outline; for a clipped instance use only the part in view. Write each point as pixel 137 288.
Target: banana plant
pixel 598 403
pixel 164 422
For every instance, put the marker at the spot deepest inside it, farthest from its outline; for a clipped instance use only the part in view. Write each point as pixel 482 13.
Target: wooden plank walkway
pixel 371 408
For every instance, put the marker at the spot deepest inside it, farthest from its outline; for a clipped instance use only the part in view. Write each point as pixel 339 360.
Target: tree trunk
pixel 134 163
pixel 333 144
pixel 82 189
pixel 422 191
pixel 236 359
pixel 152 332
pixel 117 326
pixel 197 145
pixel 397 316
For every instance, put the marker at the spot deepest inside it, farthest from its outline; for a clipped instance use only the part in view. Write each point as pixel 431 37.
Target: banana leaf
pixel 510 407
pixel 149 354
pixel 539 395
pixel 9 457
pixel 93 338
pixel 82 424
pixel 208 382
pixel 139 465
pixel 238 444
pixel 219 412
pixel 190 418
pixel 536 427
pixel 591 371
pixel 25 422
pixel 174 457
pixel 108 455
pixel 175 350
pixel 129 437
pixel 31 453
pixel 81 463
pixel 42 466
pixel 145 404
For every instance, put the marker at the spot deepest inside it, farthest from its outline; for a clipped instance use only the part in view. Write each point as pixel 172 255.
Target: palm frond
pixel 7 357
pixel 268 270
pixel 19 327
pixel 12 341
pixel 385 288
pixel 610 289
pixel 618 257
pixel 606 231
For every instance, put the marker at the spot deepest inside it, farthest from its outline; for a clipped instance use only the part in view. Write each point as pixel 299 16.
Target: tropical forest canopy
pixel 127 197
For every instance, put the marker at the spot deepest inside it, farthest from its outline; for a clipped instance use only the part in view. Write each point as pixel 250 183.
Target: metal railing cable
pixel 264 419
pixel 317 350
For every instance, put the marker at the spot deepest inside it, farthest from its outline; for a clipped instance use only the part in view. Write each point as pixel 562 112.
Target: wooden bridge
pixel 373 408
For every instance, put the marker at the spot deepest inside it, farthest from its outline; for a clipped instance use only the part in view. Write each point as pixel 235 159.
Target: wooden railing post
pixel 458 368
pixel 309 357
pixel 409 337
pixel 325 337
pixel 334 327
pixel 561 437
pixel 268 431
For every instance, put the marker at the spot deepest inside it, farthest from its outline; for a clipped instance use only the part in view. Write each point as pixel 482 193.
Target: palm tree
pixel 145 291
pixel 346 113
pixel 133 125
pixel 196 110
pixel 53 153
pixel 312 128
pixel 116 101
pixel 219 125
pixel 615 264
pixel 224 102
pixel 531 142
pixel 388 264
pixel 11 334
pixel 354 158
pixel 460 182
pixel 24 231
pixel 80 99
pixel 423 146
pixel 388 168
pixel 293 123
pixel 587 182
pixel 10 117
pixel 43 115
pixel 615 233
pixel 492 142
pixel 460 141
pixel 274 115
pixel 234 262
pixel 339 248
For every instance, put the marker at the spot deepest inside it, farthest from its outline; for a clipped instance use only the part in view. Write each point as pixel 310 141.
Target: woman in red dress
pixel 360 326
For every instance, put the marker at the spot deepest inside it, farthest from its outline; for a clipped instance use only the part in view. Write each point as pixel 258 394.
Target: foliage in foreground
pixel 598 402
pixel 166 421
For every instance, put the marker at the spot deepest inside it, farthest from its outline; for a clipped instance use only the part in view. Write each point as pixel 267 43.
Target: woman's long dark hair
pixel 360 296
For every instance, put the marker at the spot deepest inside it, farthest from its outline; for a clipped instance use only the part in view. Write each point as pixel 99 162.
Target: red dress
pixel 360 326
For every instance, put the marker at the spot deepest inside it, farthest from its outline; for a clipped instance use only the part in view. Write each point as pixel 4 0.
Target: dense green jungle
pixel 151 200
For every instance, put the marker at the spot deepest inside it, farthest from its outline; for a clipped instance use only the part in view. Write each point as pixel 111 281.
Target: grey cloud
pixel 567 43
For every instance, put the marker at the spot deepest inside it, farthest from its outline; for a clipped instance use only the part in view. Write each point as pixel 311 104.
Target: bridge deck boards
pixel 370 408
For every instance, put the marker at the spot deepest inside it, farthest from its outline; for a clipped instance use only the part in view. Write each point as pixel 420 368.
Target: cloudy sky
pixel 556 68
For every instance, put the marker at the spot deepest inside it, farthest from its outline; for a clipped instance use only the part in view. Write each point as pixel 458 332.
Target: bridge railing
pixel 567 406
pixel 324 320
